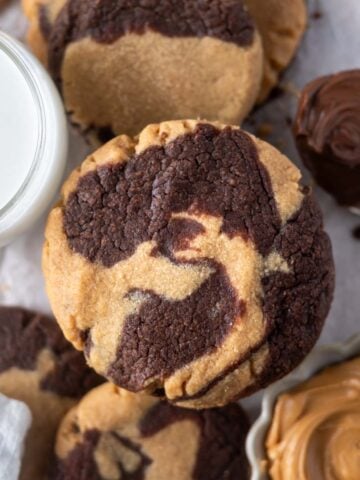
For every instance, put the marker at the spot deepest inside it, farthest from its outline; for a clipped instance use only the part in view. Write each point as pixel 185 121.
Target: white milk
pixel 19 129
pixel 33 139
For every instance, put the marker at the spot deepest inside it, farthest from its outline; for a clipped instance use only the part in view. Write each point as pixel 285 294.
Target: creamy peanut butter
pixel 315 432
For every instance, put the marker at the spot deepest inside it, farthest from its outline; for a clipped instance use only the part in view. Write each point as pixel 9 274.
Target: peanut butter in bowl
pixel 315 430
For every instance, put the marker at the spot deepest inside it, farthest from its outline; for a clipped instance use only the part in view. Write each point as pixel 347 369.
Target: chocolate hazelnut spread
pixel 327 133
pixel 315 432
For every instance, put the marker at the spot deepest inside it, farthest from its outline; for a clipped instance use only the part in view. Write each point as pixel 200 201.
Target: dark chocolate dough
pixel 24 334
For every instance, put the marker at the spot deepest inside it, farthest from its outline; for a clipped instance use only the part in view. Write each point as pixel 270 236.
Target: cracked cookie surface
pixel 189 262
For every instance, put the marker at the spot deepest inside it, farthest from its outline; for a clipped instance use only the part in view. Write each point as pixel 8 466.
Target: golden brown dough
pixel 281 24
pixel 114 434
pixel 121 68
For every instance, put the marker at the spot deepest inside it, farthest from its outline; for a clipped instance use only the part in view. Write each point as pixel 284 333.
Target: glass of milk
pixel 33 139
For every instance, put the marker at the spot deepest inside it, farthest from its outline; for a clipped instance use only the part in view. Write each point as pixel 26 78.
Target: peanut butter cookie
pixel 123 64
pixel 113 434
pixel 39 367
pixel 281 24
pixel 189 262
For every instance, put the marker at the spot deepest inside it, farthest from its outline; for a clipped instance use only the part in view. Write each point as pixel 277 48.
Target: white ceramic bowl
pixel 318 359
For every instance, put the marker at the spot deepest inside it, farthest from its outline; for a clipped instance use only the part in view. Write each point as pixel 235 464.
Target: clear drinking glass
pixel 33 139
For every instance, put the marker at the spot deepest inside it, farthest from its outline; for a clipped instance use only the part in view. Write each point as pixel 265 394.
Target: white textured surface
pixel 332 42
pixel 15 420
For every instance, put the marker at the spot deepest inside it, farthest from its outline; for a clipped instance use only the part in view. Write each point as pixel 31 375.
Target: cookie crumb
pixel 288 121
pixel 291 89
pixel 356 233
pixel 317 15
pixel 277 92
pixel 264 130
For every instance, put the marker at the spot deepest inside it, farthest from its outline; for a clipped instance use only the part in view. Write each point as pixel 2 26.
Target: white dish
pixel 318 359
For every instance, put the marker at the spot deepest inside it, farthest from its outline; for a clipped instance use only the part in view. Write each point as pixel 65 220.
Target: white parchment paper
pixel 331 43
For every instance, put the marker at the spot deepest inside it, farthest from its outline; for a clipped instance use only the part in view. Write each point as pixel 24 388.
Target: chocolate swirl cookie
pixel 327 133
pixel 112 434
pixel 122 64
pixel 39 367
pixel 189 262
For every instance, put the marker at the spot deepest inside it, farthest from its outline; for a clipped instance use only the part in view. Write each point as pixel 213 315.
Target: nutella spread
pixel 327 133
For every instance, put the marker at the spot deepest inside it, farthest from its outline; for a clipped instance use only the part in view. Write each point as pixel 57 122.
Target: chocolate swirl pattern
pixel 190 263
pixel 316 428
pixel 123 64
pixel 108 20
pixel 327 132
pixel 144 438
pixel 39 367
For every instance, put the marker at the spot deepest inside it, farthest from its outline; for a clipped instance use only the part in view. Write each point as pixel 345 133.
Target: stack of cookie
pixel 187 262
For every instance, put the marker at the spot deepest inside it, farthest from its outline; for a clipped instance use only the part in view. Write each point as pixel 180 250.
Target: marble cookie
pixel 123 64
pixel 113 434
pixel 189 262
pixel 39 367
